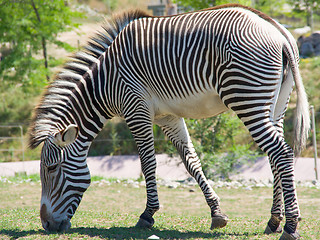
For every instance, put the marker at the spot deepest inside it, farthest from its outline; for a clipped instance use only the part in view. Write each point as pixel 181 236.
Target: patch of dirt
pixel 76 38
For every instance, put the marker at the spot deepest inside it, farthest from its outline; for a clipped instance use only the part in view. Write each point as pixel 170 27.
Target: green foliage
pixel 223 144
pixel 16 103
pixel 21 178
pixel 223 165
pixel 26 27
pixel 310 72
pixel 202 4
pixel 217 133
pixel 195 4
pixel 116 139
pixel 303 9
pixel 270 7
pixel 96 178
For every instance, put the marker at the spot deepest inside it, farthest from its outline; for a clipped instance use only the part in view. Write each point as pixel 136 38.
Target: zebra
pixel 159 70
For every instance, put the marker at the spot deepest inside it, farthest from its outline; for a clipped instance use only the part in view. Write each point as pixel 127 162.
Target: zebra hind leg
pixel 281 157
pixel 277 210
pixel 177 132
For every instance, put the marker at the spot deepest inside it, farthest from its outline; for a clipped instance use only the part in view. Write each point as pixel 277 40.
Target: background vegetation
pixel 31 30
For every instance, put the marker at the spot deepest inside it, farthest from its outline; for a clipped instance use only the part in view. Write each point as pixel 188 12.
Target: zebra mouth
pixel 64 225
pixel 53 226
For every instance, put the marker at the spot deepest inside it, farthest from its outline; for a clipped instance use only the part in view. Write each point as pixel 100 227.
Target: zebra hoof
pixel 273 225
pixel 143 223
pixel 219 221
pixel 268 230
pixel 291 236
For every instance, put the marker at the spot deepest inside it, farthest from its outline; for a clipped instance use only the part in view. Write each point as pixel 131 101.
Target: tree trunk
pixel 44 48
pixel 43 40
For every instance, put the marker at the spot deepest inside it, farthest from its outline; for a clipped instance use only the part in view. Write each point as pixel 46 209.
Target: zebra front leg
pixel 140 126
pixel 176 130
pixel 148 166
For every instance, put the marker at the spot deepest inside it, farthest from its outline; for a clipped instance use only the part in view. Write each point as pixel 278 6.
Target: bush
pixel 223 144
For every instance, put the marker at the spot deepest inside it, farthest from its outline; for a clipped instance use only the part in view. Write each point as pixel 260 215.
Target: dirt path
pixel 168 168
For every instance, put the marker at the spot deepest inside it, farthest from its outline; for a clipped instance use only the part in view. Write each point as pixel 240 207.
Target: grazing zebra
pixel 160 70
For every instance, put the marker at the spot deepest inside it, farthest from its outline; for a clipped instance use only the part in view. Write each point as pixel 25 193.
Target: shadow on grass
pixel 138 233
pixel 122 233
pixel 16 233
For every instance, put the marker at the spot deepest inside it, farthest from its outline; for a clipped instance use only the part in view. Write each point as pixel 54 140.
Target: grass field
pixel 110 211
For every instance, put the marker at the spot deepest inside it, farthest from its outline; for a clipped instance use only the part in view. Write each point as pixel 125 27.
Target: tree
pixel 305 8
pixel 270 7
pixel 26 27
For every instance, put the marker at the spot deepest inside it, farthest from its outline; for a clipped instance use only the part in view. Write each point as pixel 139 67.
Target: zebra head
pixel 64 178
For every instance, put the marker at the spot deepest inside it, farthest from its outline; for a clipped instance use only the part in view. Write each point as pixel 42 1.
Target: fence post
pixel 22 145
pixel 314 140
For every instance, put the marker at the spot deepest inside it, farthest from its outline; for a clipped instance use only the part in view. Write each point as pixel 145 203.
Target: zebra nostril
pixel 44 217
pixel 43 213
pixel 46 225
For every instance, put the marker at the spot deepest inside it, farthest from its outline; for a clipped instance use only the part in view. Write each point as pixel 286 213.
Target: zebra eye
pixel 52 167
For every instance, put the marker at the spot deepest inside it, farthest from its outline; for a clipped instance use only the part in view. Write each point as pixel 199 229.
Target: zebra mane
pixel 43 122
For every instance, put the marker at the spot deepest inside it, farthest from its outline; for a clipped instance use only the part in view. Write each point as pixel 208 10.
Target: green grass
pixel 111 211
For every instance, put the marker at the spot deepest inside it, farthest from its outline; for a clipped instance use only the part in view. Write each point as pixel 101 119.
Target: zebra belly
pixel 198 106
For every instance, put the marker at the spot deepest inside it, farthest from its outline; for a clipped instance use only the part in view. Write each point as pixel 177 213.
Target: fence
pixel 13 133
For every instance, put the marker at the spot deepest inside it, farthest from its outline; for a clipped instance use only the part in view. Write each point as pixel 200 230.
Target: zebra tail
pixel 302 115
pixel 302 118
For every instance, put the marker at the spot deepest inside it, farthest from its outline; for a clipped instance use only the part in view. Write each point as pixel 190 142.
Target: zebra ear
pixel 67 136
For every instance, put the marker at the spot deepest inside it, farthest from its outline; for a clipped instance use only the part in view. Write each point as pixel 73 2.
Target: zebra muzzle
pixel 52 225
